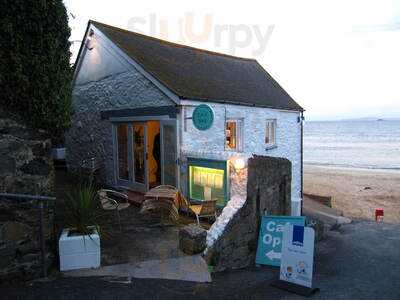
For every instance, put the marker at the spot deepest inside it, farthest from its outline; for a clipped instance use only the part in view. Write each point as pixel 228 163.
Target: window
pixel 208 180
pixel 234 134
pixel 270 133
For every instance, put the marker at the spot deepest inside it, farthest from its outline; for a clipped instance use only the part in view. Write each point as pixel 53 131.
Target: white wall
pixel 211 143
pixel 99 62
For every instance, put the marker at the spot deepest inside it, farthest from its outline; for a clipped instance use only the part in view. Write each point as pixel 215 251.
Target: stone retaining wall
pixel 25 168
pixel 268 192
pixel 25 161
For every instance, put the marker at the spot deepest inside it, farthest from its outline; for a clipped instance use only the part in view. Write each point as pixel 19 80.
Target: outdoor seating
pixel 163 199
pixel 108 200
pixel 206 209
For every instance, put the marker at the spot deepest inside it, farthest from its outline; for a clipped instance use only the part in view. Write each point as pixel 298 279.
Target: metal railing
pixel 41 200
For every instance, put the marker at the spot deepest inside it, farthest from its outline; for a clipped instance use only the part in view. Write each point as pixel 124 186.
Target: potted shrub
pixel 79 243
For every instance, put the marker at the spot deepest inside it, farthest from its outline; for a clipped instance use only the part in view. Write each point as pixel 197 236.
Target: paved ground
pixel 187 268
pixel 139 241
pixel 359 261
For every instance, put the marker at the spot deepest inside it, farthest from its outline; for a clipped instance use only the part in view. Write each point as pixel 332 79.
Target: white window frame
pixel 239 134
pixel 270 131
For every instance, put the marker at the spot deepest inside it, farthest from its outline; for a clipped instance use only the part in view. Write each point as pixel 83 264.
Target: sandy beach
pixel 357 192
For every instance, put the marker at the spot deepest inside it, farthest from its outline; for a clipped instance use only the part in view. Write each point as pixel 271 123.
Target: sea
pixel 371 144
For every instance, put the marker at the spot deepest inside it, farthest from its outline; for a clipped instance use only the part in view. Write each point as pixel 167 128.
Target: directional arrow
pixel 273 255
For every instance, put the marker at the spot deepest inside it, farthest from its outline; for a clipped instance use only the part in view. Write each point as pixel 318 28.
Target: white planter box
pixel 79 252
pixel 58 153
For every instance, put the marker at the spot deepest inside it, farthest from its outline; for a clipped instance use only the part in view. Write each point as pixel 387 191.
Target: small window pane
pixel 231 135
pixel 270 132
pixel 139 152
pixel 234 134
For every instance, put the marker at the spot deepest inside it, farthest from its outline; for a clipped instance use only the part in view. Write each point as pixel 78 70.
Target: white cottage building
pixel 134 99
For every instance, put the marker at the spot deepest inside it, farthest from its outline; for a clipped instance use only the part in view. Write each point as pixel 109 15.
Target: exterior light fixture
pixel 239 164
pixel 89 40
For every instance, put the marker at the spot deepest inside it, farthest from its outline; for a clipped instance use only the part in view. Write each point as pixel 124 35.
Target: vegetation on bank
pixel 35 71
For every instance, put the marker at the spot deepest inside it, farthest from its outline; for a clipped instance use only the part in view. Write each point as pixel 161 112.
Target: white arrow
pixel 273 255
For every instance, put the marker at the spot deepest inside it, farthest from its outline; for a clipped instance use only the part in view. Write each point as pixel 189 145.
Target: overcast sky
pixel 336 58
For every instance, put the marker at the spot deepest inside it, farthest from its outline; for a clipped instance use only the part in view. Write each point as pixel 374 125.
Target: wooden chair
pixel 206 209
pixel 108 202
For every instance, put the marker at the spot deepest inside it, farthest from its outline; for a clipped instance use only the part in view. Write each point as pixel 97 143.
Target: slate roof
pixel 196 74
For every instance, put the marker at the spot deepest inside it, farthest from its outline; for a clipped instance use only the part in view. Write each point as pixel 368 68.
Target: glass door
pixel 168 152
pixel 139 156
pixel 122 153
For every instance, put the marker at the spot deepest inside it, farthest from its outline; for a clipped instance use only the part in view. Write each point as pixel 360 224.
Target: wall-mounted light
pixel 239 164
pixel 89 40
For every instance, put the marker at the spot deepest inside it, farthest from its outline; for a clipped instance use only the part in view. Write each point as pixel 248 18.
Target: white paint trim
pixel 191 102
pixel 79 59
pixel 140 119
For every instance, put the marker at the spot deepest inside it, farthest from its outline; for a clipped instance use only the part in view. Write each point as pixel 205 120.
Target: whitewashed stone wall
pixel 97 88
pixel 211 143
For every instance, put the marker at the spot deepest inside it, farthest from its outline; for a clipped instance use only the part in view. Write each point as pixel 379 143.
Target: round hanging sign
pixel 203 117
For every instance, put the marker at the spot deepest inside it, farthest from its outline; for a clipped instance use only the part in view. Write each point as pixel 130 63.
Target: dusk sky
pixel 338 59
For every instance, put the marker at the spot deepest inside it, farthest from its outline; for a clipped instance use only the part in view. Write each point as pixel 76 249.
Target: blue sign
pixel 269 248
pixel 203 117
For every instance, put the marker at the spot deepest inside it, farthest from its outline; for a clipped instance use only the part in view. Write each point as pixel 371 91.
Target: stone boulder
pixel 192 239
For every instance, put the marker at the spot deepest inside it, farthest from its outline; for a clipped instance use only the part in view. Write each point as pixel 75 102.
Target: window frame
pixel 239 134
pixel 270 131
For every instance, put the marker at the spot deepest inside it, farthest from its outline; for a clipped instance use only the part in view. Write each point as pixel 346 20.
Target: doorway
pixel 145 154
pixel 154 150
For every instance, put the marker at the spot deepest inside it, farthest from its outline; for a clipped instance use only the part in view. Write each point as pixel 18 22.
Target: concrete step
pixel 331 217
pixel 187 268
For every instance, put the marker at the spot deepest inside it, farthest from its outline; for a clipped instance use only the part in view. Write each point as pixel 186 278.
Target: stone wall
pixel 89 135
pixel 20 256
pixel 268 192
pixel 105 80
pixel 25 168
pixel 25 163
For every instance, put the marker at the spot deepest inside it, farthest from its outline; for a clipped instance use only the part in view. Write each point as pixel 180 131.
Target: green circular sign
pixel 203 117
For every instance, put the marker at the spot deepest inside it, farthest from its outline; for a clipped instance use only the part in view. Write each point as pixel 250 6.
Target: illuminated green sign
pixel 203 117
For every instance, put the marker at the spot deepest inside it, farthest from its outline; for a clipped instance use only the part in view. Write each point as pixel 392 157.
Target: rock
pixel 31 257
pixel 41 148
pixel 192 239
pixel 7 253
pixel 37 166
pixel 14 231
pixel 7 164
pixel 28 247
